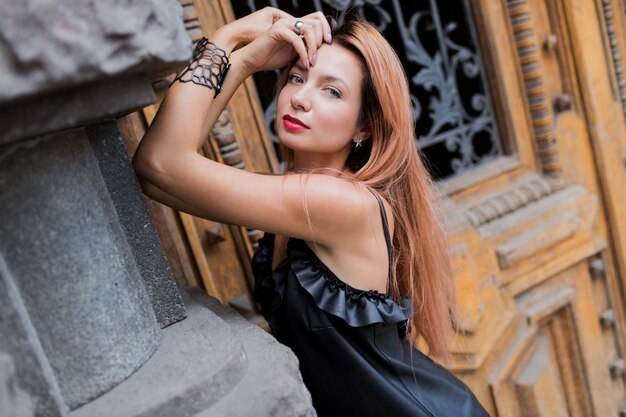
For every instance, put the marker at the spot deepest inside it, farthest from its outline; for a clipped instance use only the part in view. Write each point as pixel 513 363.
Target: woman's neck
pixel 309 161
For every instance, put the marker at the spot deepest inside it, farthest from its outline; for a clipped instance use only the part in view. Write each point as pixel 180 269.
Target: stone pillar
pixel 27 382
pixel 123 188
pixel 13 401
pixel 91 321
pixel 68 256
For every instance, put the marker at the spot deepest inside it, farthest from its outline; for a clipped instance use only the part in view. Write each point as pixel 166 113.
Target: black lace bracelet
pixel 208 67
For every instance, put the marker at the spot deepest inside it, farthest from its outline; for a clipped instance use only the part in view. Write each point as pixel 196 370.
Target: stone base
pixel 272 385
pixel 125 192
pixel 13 401
pixel 69 260
pixel 214 363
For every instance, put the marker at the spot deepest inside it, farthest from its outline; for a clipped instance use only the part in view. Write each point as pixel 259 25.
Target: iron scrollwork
pixel 455 126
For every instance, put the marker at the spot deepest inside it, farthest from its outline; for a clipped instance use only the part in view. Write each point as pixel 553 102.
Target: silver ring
pixel 298 26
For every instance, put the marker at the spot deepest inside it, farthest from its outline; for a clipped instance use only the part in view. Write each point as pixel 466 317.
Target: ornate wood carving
pixel 607 318
pixel 538 104
pixel 509 201
pixel 616 55
pixel 538 239
pixel 617 368
pixel 228 148
pixel 227 142
pixel 609 327
pixel 543 371
pixel 192 23
pixel 596 268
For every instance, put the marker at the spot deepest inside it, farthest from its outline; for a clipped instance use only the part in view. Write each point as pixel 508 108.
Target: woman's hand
pixel 246 29
pixel 282 42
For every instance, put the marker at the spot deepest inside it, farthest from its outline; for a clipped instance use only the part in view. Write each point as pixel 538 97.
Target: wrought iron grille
pixel 455 126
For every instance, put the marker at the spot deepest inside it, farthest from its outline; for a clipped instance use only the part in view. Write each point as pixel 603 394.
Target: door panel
pixel 536 241
pixel 550 367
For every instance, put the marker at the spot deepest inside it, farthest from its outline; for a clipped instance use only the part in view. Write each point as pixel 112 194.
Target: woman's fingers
pixel 313 33
pixel 288 33
pixel 314 29
pixel 325 26
pixel 278 14
pixel 305 38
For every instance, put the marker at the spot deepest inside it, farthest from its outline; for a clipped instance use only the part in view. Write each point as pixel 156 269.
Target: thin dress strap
pixel 383 214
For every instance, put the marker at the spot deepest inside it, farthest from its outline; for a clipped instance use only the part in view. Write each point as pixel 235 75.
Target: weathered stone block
pixel 14 402
pixel 72 62
pixel 200 360
pixel 272 385
pixel 63 243
pixel 212 364
pixel 76 107
pixel 27 384
pixel 53 45
pixel 125 192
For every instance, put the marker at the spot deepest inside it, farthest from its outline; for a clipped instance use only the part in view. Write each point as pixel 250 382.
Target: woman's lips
pixel 293 124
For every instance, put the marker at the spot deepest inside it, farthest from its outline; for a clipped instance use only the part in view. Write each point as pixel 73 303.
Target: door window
pixel 436 42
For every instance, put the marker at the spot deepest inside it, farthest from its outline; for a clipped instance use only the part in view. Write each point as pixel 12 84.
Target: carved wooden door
pixel 519 106
pixel 539 240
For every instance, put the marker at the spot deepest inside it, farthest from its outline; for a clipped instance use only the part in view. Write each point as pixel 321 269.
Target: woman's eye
pixel 334 92
pixel 295 79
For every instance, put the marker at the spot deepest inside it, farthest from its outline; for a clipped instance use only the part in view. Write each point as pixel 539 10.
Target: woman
pixel 352 234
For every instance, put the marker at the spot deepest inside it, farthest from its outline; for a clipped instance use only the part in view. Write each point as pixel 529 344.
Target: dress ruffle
pixel 356 307
pixel 392 370
pixel 332 295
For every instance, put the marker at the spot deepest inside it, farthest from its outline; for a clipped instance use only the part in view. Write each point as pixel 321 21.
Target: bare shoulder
pixel 339 208
pixel 354 247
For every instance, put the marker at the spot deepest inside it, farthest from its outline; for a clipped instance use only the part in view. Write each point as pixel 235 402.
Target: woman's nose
pixel 300 99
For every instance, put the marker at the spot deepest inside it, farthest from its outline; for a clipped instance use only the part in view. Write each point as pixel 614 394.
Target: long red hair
pixel 389 162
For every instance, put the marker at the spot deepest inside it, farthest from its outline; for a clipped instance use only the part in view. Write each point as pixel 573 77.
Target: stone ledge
pixel 75 107
pixel 272 385
pixel 212 364
pixel 200 359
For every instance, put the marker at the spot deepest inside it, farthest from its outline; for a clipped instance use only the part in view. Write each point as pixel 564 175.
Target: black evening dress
pixel 353 356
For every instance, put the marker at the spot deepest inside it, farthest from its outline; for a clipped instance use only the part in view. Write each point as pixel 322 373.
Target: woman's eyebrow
pixel 325 77
pixel 299 67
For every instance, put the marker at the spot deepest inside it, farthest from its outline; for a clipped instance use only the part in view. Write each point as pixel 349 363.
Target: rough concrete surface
pixel 272 385
pixel 13 401
pixel 199 361
pixel 78 106
pixel 30 383
pixel 64 245
pixel 49 45
pixel 124 190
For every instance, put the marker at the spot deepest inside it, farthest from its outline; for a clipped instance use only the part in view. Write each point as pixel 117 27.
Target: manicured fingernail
pixel 313 58
pixel 308 65
pixel 329 37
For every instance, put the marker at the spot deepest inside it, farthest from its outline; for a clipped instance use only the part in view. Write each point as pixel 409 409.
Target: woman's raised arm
pixel 172 171
pixel 189 111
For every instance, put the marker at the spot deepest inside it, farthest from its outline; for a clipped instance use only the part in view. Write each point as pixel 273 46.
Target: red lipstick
pixel 293 123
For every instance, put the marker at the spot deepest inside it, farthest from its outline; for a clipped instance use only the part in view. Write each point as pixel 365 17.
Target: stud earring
pixel 358 142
